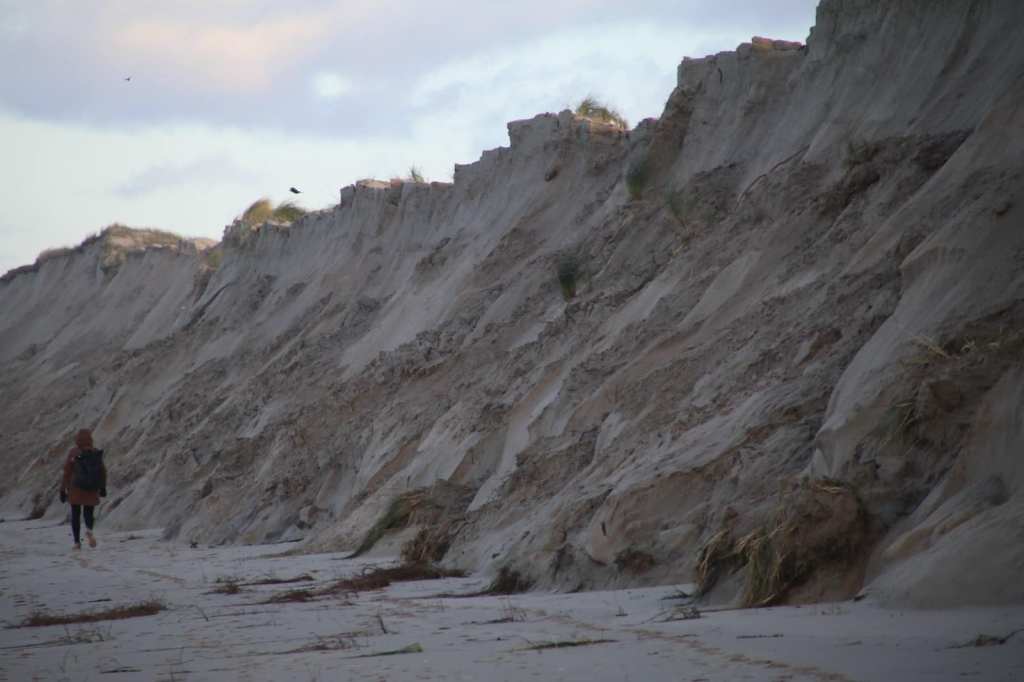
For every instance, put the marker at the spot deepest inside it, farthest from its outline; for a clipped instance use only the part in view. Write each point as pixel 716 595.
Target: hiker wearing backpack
pixel 83 484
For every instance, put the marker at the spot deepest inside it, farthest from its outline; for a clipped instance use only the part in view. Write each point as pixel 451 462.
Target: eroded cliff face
pixel 792 366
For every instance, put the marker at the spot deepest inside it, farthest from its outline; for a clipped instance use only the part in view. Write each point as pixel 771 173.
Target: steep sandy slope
pixel 792 365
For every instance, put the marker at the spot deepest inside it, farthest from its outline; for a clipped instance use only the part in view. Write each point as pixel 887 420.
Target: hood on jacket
pixel 83 439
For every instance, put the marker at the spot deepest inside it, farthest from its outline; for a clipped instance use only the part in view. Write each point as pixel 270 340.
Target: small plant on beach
pixel 568 276
pixel 42 618
pixel 376 578
pixel 292 596
pixel 226 587
pixel 594 110
pixel 565 644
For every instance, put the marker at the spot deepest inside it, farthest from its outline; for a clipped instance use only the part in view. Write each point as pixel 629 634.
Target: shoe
pixel 77 545
pixel 91 538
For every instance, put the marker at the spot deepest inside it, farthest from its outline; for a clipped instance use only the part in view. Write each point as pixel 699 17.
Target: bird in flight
pixel 294 191
pixel 127 78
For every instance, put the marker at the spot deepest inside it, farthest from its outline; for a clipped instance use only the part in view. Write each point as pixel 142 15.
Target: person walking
pixel 83 483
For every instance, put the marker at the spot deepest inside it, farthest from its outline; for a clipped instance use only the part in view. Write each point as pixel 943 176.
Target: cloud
pixel 329 85
pixel 223 57
pixel 631 66
pixel 236 99
pixel 207 171
pixel 188 178
pixel 246 62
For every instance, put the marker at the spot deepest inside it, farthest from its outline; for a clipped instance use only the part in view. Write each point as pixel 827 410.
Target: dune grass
pixel 637 177
pixel 395 517
pixel 592 109
pixel 263 210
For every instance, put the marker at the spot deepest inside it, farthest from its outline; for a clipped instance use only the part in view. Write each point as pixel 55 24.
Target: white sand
pixel 204 636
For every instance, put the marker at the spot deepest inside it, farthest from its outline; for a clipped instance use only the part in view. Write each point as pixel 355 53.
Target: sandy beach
pixel 634 634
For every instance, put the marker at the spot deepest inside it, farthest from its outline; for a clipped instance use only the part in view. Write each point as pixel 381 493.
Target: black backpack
pixel 87 470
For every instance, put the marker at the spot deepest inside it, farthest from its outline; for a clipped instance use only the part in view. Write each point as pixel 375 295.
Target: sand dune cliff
pixel 792 367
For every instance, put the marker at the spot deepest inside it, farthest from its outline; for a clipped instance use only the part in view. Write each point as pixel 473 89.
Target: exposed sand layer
pixel 772 341
pixel 204 636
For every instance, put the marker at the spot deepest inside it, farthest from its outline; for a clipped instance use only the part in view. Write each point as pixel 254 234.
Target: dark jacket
pixel 88 498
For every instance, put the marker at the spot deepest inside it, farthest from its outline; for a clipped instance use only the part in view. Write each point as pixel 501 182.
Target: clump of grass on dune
pixel 637 177
pixel 288 212
pixel 594 110
pixel 818 522
pixel 263 210
pixel 416 175
pixel 139 236
pixel 396 516
pixel 259 211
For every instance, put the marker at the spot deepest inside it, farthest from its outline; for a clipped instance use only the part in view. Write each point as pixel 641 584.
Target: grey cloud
pixel 60 64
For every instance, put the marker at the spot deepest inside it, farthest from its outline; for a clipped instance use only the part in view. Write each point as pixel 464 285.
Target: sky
pixel 178 115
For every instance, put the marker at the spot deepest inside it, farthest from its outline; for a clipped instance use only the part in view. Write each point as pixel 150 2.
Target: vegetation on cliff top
pixel 263 210
pixel 594 110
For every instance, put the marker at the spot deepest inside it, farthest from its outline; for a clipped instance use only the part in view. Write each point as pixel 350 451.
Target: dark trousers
pixel 76 520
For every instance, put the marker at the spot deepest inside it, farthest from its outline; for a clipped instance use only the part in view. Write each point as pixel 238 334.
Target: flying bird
pixel 294 191
pixel 127 78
